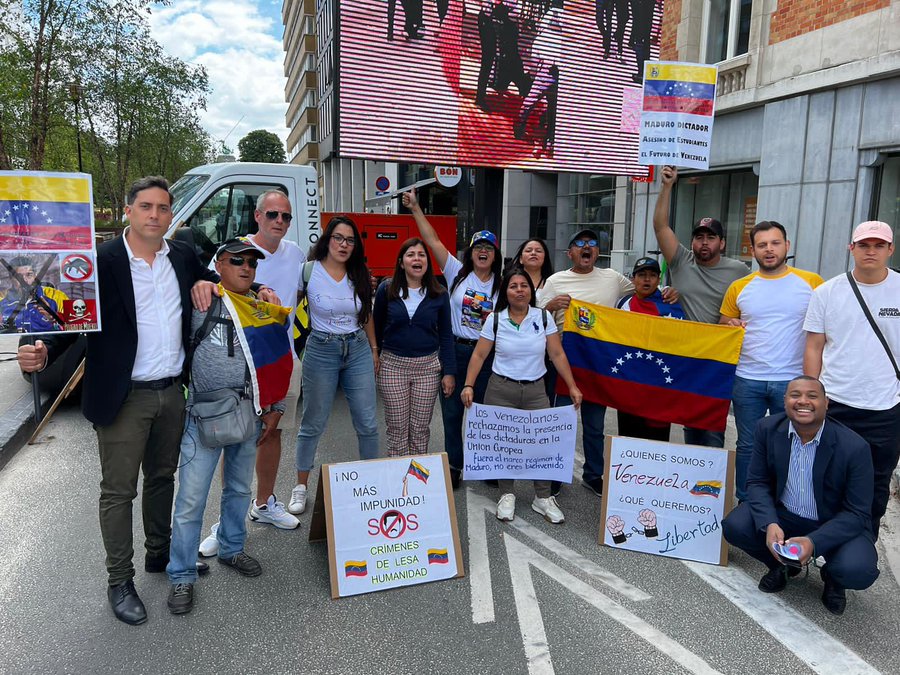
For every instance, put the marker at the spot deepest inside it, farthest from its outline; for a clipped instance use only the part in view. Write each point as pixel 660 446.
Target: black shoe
pixel 181 598
pixel 555 488
pixel 454 478
pixel 774 581
pixel 157 564
pixel 595 485
pixel 202 568
pixel 244 564
pixel 126 604
pixel 833 596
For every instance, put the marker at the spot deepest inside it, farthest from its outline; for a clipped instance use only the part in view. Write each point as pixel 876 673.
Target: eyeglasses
pixel 581 243
pixel 483 247
pixel 238 261
pixel 285 216
pixel 341 239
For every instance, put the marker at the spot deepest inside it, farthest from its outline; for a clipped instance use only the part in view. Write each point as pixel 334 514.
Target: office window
pixel 592 201
pixel 726 29
pixel 887 200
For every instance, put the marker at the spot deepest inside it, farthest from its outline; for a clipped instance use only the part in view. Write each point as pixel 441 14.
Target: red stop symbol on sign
pixel 392 524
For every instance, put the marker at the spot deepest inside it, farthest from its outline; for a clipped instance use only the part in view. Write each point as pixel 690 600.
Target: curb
pixel 17 425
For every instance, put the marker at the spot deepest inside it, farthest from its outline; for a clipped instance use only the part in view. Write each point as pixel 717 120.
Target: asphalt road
pixel 554 601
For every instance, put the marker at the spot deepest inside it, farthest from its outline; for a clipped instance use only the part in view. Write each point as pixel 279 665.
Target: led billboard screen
pixel 530 84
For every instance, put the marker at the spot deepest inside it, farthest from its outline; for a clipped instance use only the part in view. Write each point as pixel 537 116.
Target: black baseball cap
pixel 710 224
pixel 590 234
pixel 646 264
pixel 239 245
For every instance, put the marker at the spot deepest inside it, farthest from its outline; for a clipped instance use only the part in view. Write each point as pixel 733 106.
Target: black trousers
pixel 853 564
pixel 640 427
pixel 881 430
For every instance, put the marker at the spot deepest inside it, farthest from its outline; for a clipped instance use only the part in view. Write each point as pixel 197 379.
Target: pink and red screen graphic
pixel 530 84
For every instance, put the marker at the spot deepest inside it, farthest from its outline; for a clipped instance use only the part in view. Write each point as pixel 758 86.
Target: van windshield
pixel 185 188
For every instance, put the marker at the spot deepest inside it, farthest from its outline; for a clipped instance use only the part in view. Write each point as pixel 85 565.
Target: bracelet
pixel 467 385
pixel 374 346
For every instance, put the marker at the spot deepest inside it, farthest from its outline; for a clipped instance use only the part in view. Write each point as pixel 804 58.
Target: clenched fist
pixel 647 518
pixel 616 527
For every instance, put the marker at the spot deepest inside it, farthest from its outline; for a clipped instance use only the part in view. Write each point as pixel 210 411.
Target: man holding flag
pixel 239 344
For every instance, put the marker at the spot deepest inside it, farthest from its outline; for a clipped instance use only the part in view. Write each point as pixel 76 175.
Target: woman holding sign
pixel 520 335
pixel 473 285
pixel 412 330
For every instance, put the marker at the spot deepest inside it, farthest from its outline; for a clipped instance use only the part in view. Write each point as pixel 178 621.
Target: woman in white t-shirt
pixel 473 283
pixel 341 347
pixel 520 335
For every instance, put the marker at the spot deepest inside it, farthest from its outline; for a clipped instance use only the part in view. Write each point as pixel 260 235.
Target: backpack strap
pixel 306 274
pixel 211 317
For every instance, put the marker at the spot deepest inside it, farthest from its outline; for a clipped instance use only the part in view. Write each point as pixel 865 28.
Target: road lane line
pixel 531 624
pixel 809 643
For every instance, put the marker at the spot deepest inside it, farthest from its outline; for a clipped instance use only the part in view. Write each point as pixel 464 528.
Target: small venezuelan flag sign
pixel 356 568
pixel 656 367
pixel 419 471
pixel 438 556
pixel 45 211
pixel 680 88
pixel 707 488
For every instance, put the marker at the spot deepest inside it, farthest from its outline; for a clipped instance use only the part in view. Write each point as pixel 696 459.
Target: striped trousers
pixel 409 388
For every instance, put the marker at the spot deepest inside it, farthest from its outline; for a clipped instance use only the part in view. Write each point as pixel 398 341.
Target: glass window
pixel 887 200
pixel 184 189
pixel 726 29
pixel 592 204
pixel 727 197
pixel 537 226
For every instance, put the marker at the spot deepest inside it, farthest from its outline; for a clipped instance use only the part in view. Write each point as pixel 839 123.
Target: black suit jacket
pixel 111 352
pixel 843 480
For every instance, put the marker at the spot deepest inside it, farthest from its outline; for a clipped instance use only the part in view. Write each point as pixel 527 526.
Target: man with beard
pixel 771 305
pixel 701 275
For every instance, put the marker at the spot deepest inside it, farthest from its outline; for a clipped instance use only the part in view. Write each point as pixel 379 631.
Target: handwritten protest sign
pixel 48 280
pixel 389 522
pixel 667 499
pixel 510 443
pixel 677 114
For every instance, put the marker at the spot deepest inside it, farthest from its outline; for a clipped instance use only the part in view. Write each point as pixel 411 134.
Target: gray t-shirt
pixel 702 288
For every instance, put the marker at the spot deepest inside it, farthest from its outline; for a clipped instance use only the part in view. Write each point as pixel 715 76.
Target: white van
pixel 215 202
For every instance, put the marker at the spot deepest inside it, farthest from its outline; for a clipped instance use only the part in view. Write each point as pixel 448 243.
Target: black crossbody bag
pixel 878 333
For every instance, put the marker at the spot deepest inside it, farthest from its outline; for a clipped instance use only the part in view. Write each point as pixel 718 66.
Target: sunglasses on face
pixel 341 239
pixel 239 261
pixel 285 216
pixel 581 243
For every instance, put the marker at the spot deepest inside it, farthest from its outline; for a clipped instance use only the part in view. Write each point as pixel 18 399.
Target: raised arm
pixel 665 236
pixel 429 236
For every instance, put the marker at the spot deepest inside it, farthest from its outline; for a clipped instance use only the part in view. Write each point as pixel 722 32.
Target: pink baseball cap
pixel 873 229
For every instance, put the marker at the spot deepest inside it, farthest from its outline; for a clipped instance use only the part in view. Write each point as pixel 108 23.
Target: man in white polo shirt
pixel 771 305
pixel 858 370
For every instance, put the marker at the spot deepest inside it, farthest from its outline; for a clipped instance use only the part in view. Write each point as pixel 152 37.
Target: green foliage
pixel 262 146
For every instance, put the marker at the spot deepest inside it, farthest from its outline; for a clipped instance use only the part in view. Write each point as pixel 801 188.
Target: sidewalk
pixel 16 401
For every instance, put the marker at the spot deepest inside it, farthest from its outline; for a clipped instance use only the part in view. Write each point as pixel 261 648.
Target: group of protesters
pixel 488 336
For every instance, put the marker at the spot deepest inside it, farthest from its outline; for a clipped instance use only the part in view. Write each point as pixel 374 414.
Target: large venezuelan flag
pixel 680 88
pixel 42 211
pixel 261 331
pixel 656 367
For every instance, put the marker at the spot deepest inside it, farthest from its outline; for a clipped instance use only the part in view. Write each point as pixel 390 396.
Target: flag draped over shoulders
pixel 260 328
pixel 656 367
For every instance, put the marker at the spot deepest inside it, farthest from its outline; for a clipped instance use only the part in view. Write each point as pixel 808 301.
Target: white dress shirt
pixel 157 306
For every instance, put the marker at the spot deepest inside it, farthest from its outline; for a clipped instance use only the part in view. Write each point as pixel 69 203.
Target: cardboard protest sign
pixel 667 499
pixel 511 443
pixel 389 523
pixel 677 114
pixel 48 272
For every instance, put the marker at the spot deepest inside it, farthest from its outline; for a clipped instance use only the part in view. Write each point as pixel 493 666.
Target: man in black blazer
pixel 133 391
pixel 809 485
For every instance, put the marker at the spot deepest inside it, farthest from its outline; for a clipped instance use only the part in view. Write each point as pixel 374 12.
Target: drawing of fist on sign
pixel 647 518
pixel 616 527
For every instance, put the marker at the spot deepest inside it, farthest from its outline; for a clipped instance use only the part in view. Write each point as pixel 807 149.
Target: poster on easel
pixel 48 261
pixel 388 523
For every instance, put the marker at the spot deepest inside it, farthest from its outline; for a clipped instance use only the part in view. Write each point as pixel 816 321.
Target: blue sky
pixel 239 43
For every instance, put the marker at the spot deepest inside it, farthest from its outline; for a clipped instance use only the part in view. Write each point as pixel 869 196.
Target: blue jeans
pixel 198 465
pixel 752 399
pixel 592 419
pixel 333 359
pixel 452 409
pixel 708 439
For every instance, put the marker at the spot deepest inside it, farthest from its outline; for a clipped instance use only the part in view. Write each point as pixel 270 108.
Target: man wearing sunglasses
pixel 587 283
pixel 280 265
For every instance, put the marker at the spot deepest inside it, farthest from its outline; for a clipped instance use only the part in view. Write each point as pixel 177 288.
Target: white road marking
pixel 531 623
pixel 809 643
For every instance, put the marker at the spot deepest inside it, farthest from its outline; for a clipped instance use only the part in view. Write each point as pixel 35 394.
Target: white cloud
pixel 239 44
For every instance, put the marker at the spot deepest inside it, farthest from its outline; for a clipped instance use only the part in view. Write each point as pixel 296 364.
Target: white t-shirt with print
pixel 519 351
pixel 856 370
pixel 333 306
pixel 470 303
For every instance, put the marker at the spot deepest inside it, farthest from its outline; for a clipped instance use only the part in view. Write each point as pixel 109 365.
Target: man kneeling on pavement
pixel 809 484
pixel 217 363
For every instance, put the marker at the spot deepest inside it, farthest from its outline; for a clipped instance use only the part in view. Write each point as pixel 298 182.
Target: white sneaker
pixel 273 513
pixel 210 546
pixel 548 508
pixel 297 504
pixel 506 507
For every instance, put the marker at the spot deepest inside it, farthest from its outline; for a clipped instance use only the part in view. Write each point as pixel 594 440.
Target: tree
pixel 262 146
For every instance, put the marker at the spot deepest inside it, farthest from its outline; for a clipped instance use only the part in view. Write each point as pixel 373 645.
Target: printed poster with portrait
pixel 48 261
